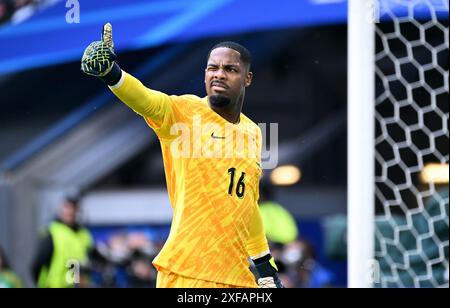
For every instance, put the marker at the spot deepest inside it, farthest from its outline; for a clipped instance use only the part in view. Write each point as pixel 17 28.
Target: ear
pixel 248 79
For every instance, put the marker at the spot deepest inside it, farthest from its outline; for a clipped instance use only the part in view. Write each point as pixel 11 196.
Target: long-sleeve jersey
pixel 212 170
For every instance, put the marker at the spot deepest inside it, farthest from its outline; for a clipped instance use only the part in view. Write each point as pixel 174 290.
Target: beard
pixel 219 101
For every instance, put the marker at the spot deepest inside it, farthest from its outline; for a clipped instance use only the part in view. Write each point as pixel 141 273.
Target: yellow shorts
pixel 167 279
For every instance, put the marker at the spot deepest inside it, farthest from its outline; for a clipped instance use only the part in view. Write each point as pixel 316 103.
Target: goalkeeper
pixel 216 222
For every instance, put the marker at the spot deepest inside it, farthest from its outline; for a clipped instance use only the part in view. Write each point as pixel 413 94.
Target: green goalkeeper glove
pixel 268 272
pixel 99 58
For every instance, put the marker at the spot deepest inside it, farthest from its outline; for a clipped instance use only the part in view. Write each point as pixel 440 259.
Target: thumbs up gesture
pixel 98 58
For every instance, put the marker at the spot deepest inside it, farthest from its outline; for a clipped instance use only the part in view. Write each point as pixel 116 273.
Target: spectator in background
pixel 280 227
pixel 123 261
pixel 302 268
pixel 279 224
pixel 8 279
pixel 141 273
pixel 64 240
pixel 6 10
pixel 19 10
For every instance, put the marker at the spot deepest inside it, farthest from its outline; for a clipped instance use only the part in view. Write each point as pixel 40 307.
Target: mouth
pixel 218 86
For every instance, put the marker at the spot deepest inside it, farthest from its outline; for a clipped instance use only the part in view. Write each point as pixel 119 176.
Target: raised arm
pixel 99 60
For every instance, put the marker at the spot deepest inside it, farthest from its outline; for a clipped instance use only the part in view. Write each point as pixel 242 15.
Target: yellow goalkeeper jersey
pixel 212 171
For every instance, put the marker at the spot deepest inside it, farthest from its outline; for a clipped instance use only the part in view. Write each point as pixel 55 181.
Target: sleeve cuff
pixel 119 83
pixel 258 256
pixel 114 76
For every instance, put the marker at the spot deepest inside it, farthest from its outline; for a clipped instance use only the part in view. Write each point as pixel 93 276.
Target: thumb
pixel 107 35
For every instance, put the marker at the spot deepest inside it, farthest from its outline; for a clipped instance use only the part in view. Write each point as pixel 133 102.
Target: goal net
pixel 411 143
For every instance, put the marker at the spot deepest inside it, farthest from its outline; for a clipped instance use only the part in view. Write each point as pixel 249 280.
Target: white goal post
pixel 361 144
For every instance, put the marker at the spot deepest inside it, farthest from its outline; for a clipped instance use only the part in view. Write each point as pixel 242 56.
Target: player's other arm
pixel 99 60
pixel 258 249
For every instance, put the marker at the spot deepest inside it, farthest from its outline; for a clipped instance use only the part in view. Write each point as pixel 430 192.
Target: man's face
pixel 68 213
pixel 226 75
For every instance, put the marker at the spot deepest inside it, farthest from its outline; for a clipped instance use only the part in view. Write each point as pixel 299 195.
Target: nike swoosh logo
pixel 217 137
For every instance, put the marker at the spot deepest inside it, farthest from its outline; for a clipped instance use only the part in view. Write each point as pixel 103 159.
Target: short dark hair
pixel 73 200
pixel 246 57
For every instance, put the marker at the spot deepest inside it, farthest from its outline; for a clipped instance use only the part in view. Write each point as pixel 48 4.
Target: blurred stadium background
pixel 63 133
